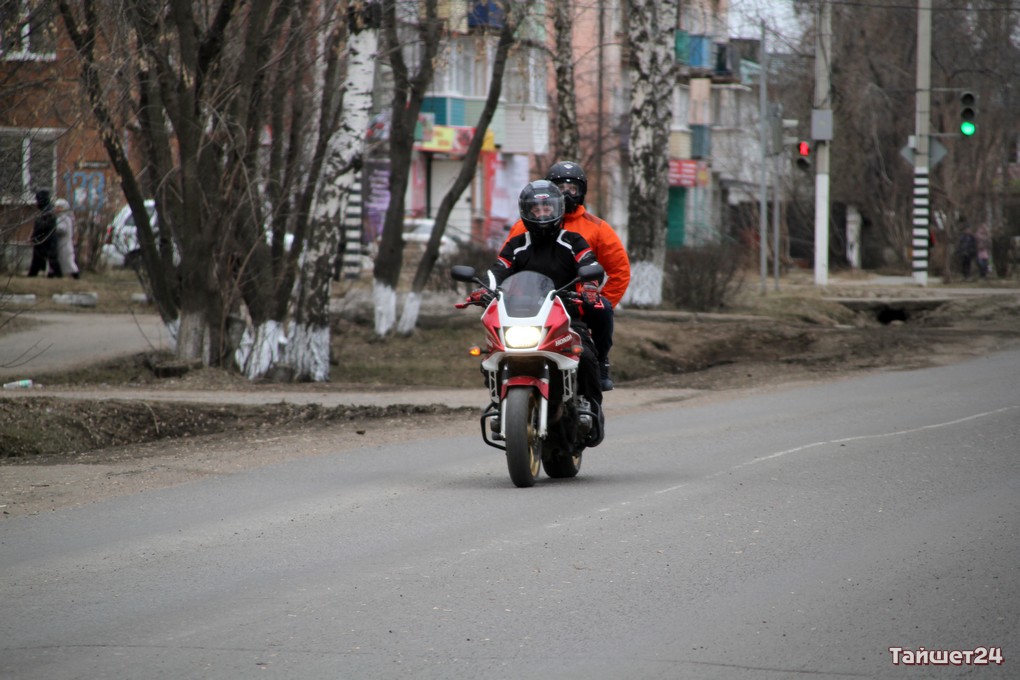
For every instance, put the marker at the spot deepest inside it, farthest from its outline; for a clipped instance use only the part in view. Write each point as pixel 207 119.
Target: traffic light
pixel 968 114
pixel 804 155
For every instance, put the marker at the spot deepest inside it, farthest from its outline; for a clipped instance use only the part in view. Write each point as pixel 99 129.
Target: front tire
pixel 523 447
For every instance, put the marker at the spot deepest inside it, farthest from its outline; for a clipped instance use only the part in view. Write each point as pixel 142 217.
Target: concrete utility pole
pixel 776 189
pixel 922 147
pixel 822 112
pixel 763 119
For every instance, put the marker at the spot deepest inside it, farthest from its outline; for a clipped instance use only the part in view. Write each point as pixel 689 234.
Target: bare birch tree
pixel 568 141
pixel 650 28
pixel 412 303
pixel 409 88
pixel 225 100
pixel 309 338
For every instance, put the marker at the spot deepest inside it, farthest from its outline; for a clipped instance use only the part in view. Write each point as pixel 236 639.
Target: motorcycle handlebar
pixel 565 294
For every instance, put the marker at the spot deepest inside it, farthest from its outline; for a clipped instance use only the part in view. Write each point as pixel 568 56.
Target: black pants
pixel 600 321
pixel 43 254
pixel 588 377
pixel 965 263
pixel 590 385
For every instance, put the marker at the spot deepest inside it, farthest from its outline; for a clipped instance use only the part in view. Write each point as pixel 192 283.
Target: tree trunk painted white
pixel 650 31
pixel 384 300
pixel 193 336
pixel 409 317
pixel 173 329
pixel 469 165
pixel 645 289
pixel 309 345
pixel 308 351
pixel 260 349
pixel 409 88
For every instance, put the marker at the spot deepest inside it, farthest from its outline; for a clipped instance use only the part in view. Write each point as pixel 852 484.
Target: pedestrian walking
pixel 966 250
pixel 44 238
pixel 65 238
pixel 983 249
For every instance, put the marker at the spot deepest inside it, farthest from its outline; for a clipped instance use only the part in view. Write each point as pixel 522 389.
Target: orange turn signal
pixel 577 350
pixel 475 351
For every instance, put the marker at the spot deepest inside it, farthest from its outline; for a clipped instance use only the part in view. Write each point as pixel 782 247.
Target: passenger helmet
pixel 570 178
pixel 541 206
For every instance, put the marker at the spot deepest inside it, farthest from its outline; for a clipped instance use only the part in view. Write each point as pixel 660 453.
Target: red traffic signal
pixel 804 155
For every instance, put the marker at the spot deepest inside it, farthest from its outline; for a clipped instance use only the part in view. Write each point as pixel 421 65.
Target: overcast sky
pixel 746 17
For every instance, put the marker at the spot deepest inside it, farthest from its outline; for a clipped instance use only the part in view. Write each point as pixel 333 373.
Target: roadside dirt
pixel 59 451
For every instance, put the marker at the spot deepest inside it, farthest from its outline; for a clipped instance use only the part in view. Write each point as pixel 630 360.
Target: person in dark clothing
pixel 544 246
pixel 44 238
pixel 966 250
pixel 547 248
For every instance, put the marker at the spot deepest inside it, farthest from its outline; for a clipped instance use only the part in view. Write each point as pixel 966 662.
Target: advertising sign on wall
pixel 454 140
pixel 688 173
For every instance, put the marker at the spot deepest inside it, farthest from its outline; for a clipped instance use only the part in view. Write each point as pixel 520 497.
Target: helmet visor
pixel 569 188
pixel 543 208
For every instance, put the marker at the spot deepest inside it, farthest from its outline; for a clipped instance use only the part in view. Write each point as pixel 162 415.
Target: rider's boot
pixel 604 379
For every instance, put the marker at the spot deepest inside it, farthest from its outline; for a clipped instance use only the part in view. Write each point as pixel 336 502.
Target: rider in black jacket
pixel 545 247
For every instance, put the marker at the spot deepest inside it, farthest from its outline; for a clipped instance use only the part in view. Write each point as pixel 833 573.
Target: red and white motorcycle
pixel 536 413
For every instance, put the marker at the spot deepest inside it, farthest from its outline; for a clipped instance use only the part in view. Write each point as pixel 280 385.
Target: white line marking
pixel 796 449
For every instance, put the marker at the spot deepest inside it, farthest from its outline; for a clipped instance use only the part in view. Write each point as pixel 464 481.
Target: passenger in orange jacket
pixel 608 249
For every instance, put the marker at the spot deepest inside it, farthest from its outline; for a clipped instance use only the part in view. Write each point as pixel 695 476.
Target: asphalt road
pixel 804 532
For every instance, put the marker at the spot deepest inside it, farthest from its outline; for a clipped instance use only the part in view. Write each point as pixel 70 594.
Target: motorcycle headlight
pixel 522 337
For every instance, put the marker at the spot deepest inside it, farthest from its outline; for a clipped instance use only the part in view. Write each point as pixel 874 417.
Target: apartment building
pixel 43 143
pixel 715 158
pixel 517 134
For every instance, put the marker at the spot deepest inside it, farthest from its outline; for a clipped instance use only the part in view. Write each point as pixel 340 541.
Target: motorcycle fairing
pixel 541 384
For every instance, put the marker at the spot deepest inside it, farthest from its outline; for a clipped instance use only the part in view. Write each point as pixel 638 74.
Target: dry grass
pixel 115 288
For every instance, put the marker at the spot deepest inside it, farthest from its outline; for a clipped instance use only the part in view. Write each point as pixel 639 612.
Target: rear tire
pixel 562 467
pixel 523 447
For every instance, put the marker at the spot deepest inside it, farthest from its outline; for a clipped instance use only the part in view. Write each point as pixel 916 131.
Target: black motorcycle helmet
pixel 571 175
pixel 541 206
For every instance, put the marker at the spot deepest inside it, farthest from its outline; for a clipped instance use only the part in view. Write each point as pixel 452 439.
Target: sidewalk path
pixel 56 341
pixel 59 342
pixel 620 400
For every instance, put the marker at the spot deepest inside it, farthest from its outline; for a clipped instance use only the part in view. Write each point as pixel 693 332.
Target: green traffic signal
pixel 968 113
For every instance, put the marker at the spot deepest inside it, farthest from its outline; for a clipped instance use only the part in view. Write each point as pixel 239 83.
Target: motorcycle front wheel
pixel 523 447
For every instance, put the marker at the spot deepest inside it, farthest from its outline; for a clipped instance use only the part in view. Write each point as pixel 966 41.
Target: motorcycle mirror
pixel 463 273
pixel 591 272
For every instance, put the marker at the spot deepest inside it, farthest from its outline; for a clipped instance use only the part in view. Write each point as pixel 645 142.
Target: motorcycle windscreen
pixel 524 293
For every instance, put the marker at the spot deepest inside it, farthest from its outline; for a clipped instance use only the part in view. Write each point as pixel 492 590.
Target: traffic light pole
pixel 922 151
pixel 822 102
pixel 763 138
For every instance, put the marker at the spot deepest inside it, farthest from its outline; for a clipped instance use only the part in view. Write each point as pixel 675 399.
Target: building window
pixel 28 161
pixel 26 30
pixel 525 80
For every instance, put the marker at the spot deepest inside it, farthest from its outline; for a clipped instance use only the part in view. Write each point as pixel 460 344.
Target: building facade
pixel 43 141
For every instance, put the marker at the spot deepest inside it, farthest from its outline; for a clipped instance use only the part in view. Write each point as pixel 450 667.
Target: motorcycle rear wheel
pixel 560 466
pixel 523 447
